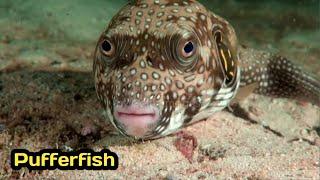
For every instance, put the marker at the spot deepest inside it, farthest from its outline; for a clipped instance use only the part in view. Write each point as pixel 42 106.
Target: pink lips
pixel 137 119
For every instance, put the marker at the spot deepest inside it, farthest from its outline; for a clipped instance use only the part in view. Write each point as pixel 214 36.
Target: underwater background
pixel 48 100
pixel 287 26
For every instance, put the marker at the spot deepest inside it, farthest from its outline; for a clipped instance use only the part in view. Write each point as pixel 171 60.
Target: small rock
pixel 255 111
pixel 203 175
pixel 214 152
pixel 186 144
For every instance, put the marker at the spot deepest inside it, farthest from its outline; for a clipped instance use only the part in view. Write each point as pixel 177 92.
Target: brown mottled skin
pixel 182 62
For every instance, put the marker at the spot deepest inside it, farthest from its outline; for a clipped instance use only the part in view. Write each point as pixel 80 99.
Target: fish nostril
pixel 149 61
pixel 129 86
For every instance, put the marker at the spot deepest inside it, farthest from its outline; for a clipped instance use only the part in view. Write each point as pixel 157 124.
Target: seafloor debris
pixel 213 151
pixel 186 144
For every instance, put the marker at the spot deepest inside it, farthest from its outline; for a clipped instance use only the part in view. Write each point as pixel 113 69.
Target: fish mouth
pixel 137 119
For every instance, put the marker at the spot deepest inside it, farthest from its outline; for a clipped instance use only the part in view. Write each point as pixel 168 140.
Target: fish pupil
pixel 188 47
pixel 106 46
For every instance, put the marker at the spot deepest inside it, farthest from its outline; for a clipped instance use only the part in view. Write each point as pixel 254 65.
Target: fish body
pixel 162 64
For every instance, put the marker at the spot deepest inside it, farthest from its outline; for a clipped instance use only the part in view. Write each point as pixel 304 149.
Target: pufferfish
pixel 163 64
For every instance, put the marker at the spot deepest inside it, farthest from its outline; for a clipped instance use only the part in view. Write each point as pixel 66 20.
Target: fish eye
pixel 188 49
pixel 107 48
